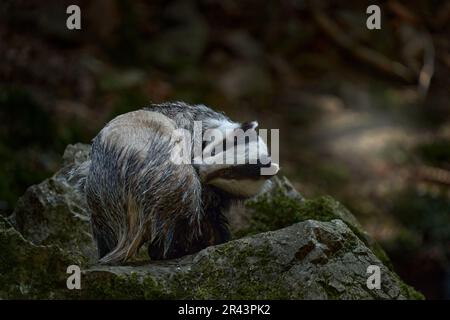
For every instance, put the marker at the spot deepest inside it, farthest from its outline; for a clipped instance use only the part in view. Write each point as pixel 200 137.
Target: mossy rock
pixel 54 212
pixel 283 206
pixel 28 271
pixel 308 260
pixel 291 248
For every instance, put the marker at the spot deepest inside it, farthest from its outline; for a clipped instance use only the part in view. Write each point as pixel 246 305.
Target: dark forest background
pixel 358 118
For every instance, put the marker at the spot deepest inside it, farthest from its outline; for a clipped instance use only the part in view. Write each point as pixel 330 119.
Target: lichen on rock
pixel 286 247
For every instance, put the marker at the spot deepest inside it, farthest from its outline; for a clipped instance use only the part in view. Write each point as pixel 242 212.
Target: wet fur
pixel 137 196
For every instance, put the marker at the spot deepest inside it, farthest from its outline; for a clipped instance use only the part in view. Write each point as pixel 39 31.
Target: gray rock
pixel 308 260
pixel 29 271
pixel 321 254
pixel 54 212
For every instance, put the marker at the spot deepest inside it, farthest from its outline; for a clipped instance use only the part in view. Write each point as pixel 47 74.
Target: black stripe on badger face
pixel 239 172
pixel 249 125
pixel 226 143
pixel 243 177
pixel 241 181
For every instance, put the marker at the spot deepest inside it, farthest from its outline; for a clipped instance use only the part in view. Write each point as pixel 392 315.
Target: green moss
pixel 210 278
pixel 108 285
pixel 276 211
pixel 381 254
pixel 271 213
pixel 30 271
pixel 279 211
pixel 112 287
pixel 331 292
pixel 409 292
pixel 323 209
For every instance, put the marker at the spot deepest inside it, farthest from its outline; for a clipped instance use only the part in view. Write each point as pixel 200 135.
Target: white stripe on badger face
pixel 251 152
pixel 220 124
pixel 250 149
pixel 220 129
pixel 243 188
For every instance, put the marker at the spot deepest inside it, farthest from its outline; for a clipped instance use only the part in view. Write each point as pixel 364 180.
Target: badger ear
pixel 249 125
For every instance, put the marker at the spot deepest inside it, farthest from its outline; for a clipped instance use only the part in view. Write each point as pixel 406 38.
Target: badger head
pixel 234 158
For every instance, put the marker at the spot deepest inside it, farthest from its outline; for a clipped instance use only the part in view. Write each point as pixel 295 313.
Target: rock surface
pixel 286 247
pixel 54 212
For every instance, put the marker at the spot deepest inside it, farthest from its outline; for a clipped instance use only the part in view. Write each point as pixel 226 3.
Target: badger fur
pixel 136 195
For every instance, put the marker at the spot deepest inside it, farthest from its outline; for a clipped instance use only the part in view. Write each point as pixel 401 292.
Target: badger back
pixel 135 192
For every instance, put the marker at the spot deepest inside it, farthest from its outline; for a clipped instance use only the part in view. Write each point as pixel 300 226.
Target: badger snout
pixel 267 167
pixel 237 162
pixel 241 180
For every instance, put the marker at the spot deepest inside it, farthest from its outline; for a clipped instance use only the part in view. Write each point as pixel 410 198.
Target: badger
pixel 137 195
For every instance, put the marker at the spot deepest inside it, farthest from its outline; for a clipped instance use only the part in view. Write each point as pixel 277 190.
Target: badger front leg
pixel 182 241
